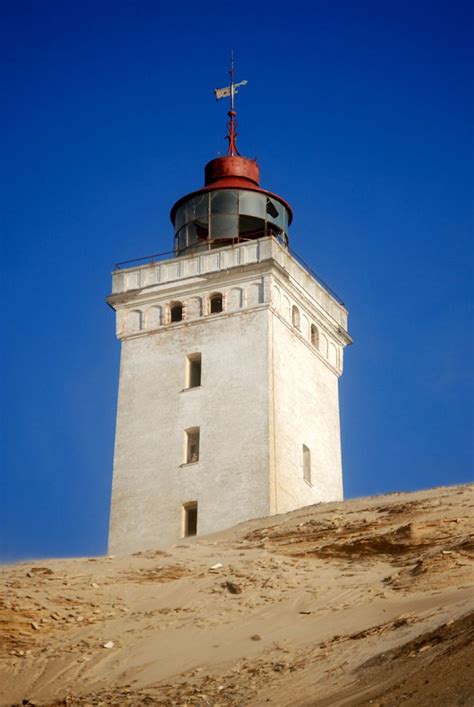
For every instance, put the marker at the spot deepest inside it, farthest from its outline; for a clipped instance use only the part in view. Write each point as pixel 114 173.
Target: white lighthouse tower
pixel 231 352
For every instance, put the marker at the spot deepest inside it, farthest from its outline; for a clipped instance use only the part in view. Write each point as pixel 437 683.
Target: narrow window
pixel 176 311
pixel 215 303
pixel 295 317
pixel 314 336
pixel 193 370
pixel 307 465
pixel 190 518
pixel 192 445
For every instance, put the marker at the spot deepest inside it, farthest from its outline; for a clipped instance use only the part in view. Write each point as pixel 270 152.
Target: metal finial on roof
pixel 232 124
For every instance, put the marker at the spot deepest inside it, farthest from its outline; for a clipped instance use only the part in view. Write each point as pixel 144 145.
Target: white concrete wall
pixel 268 387
pixel 304 397
pixel 230 481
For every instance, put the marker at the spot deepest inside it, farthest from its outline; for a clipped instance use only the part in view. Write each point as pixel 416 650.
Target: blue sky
pixel 360 116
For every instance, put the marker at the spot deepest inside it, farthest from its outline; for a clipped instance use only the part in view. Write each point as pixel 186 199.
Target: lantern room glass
pixel 217 218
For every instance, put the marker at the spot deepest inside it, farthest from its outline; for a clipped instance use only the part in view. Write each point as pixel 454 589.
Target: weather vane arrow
pixel 227 91
pixel 230 91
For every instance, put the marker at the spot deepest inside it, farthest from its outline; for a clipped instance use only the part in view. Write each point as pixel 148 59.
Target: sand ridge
pixel 367 601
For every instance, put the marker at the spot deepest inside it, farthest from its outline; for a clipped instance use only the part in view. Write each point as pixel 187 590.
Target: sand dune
pixel 362 602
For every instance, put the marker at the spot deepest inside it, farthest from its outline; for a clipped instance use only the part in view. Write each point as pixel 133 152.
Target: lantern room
pixel 230 208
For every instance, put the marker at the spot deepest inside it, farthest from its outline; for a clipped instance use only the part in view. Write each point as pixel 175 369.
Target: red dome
pixel 231 172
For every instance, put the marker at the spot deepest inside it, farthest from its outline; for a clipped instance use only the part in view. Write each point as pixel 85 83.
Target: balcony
pixel 165 268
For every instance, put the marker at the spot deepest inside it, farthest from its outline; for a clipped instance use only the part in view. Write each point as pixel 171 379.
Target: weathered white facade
pixel 267 408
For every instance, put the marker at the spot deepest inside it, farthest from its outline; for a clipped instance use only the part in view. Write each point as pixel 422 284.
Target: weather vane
pixel 224 93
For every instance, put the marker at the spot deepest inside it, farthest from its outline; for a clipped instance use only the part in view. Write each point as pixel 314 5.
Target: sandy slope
pixel 362 602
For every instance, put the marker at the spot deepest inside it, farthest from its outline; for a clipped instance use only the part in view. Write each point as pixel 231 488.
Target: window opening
pixel 190 518
pixel 295 317
pixel 192 445
pixel 314 335
pixel 307 465
pixel 193 373
pixel 216 303
pixel 176 310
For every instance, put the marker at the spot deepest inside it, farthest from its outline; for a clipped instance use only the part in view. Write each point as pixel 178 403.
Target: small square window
pixel 176 312
pixel 215 305
pixel 190 519
pixel 307 465
pixel 193 370
pixel 192 445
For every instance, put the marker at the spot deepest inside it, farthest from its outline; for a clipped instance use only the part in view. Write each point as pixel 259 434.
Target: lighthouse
pixel 231 353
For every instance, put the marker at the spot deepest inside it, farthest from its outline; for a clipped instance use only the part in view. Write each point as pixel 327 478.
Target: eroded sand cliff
pixel 363 602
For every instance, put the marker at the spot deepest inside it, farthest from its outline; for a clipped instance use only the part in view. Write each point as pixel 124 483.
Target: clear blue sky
pixel 360 115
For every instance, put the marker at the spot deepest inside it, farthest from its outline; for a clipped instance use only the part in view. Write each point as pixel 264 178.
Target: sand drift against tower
pixel 231 353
